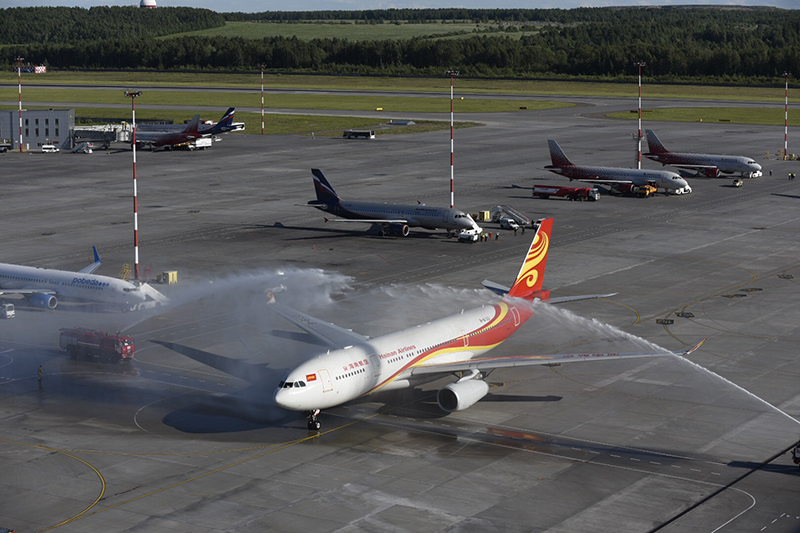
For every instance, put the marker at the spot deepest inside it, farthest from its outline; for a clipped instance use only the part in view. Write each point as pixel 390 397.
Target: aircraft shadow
pixel 785 195
pixel 791 470
pixel 333 233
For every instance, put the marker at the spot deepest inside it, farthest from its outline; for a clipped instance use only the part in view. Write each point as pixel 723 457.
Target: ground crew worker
pixel 40 374
pixel 497 236
pixel 796 454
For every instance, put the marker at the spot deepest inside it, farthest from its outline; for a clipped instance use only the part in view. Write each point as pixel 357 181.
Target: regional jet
pixel 620 179
pixel 355 365
pixel 703 164
pixel 155 139
pixel 392 218
pixel 43 286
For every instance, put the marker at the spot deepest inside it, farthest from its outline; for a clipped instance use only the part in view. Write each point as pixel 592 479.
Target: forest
pixel 702 44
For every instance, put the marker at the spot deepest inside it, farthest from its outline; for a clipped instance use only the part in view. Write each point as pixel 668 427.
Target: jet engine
pixel 461 394
pixel 399 229
pixel 44 301
pixel 712 172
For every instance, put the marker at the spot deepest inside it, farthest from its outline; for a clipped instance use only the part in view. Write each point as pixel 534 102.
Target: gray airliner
pixel 392 218
pixel 703 164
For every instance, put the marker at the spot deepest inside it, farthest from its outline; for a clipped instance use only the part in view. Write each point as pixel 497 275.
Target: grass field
pixel 345 30
pixel 440 85
pixel 290 101
pixel 735 115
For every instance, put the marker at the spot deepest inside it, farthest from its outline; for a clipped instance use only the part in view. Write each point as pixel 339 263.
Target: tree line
pixel 702 44
pixel 21 25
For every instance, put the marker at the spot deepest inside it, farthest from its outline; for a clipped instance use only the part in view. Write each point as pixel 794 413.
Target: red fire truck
pixel 573 193
pixel 96 346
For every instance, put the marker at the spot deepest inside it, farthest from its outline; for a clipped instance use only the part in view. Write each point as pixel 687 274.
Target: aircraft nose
pixel 756 166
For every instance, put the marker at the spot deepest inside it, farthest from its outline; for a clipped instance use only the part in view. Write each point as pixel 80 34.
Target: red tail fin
pixel 531 275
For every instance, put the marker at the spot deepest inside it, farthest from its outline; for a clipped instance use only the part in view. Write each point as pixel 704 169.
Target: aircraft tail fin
pixel 557 155
pixel 531 275
pixel 325 193
pixel 227 119
pixel 654 144
pixel 194 125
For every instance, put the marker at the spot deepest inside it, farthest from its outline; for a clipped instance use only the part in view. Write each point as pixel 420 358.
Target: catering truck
pixel 96 346
pixel 573 193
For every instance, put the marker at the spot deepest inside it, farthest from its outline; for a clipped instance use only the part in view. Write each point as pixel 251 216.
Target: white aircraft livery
pixel 43 286
pixel 356 365
pixel 621 179
pixel 704 164
pixel 393 218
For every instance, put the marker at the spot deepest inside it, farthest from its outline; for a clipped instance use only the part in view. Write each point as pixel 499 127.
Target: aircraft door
pixel 327 385
pixel 515 312
pixel 465 337
pixel 376 365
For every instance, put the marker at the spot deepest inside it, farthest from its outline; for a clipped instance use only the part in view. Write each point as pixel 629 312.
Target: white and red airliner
pixel 356 365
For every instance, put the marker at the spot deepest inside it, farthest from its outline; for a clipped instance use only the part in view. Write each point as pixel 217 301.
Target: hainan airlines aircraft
pixel 616 178
pixel 43 286
pixel 393 218
pixel 704 164
pixel 356 366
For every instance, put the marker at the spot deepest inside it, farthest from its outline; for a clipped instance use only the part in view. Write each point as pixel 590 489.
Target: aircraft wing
pixel 27 291
pixel 94 266
pixel 331 334
pixel 701 167
pixel 492 363
pixel 599 181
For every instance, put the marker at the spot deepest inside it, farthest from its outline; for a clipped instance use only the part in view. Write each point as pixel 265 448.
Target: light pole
pixel 452 74
pixel 785 118
pixel 132 95
pixel 19 72
pixel 262 98
pixel 639 64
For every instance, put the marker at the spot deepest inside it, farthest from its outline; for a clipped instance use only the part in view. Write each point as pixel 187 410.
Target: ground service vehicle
pixel 508 223
pixel 49 148
pixel 641 191
pixel 7 311
pixel 573 193
pixel 96 346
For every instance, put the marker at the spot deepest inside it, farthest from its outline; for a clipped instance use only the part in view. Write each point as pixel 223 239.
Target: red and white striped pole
pixel 132 96
pixel 639 64
pixel 262 99
pixel 19 72
pixel 786 119
pixel 452 199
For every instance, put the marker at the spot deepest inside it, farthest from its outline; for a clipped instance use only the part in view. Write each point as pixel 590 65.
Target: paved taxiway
pixel 175 444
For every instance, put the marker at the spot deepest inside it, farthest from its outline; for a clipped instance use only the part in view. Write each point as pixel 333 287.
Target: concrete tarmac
pixel 187 437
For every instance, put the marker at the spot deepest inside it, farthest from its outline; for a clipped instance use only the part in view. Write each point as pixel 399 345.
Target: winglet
pixel 94 266
pixel 695 347
pixel 531 274
pixel 96 255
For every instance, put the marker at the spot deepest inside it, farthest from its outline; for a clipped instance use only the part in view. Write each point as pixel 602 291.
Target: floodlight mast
pixel 19 73
pixel 262 98
pixel 639 64
pixel 452 74
pixel 133 95
pixel 786 118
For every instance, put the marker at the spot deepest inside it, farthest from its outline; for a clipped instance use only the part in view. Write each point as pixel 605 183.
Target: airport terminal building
pixel 39 126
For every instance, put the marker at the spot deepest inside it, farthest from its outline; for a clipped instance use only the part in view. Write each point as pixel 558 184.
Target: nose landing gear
pixel 313 420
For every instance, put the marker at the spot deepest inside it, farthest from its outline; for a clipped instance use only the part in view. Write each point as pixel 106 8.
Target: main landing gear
pixel 313 420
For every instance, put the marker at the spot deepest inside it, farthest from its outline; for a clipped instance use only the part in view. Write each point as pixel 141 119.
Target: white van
pixel 508 223
pixel 49 148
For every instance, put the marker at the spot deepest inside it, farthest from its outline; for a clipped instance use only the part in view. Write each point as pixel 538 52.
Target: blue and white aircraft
pixel 43 286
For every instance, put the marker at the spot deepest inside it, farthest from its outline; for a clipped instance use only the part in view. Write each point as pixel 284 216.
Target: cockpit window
pixel 290 384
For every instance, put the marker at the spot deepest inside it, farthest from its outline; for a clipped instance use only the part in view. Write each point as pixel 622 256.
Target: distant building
pixel 39 126
pixel 147 3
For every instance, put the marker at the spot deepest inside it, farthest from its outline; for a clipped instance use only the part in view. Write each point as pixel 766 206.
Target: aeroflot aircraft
pixel 165 138
pixel 355 365
pixel 43 286
pixel 706 164
pixel 616 178
pixel 393 218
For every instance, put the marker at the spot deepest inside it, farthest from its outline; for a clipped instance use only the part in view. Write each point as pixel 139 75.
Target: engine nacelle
pixel 399 229
pixel 461 395
pixel 712 172
pixel 44 301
